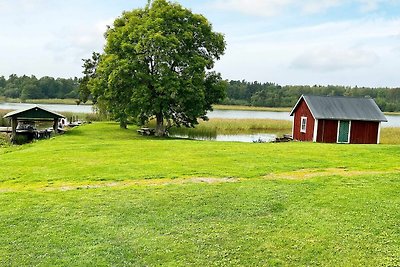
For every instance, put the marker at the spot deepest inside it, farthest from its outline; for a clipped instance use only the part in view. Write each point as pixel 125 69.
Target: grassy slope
pixel 103 196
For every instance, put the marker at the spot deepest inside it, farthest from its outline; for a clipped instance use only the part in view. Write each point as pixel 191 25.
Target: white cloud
pixel 335 59
pixel 20 5
pixel 276 7
pixel 254 7
pixel 270 8
pixel 312 6
pixel 71 45
pixel 50 37
pixel 360 52
pixel 372 5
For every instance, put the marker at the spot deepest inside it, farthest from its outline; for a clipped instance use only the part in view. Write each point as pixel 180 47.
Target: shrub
pixel 95 117
pixel 20 139
pixel 4 122
pixel 4 140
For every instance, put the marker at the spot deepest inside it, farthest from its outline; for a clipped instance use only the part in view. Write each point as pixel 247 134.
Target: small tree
pixel 157 64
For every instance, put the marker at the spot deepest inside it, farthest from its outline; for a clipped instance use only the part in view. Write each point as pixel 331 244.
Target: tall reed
pixel 244 126
pixel 73 116
pixel 390 135
pixel 213 127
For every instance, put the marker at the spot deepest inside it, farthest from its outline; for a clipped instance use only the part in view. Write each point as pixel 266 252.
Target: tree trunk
pixel 123 124
pixel 160 129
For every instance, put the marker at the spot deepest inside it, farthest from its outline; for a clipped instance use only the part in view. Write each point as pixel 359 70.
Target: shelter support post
pixel 14 123
pixel 55 125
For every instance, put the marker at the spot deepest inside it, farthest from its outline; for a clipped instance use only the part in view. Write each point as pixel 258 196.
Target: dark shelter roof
pixel 34 113
pixel 342 108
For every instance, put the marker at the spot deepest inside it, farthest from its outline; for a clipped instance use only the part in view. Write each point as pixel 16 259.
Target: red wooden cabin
pixel 332 119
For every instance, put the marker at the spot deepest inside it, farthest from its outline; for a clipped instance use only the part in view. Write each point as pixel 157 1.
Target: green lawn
pixel 101 196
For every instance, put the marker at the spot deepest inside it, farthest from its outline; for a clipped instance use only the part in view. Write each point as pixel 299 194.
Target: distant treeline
pixel 238 92
pixel 30 87
pixel 274 95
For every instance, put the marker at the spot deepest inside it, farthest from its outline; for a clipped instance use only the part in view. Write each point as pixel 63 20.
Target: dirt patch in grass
pixel 146 182
pixel 304 174
pixel 208 180
pixel 80 187
pixel 119 184
pixel 4 190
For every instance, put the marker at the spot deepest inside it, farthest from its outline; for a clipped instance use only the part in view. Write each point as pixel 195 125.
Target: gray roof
pixel 35 108
pixel 342 108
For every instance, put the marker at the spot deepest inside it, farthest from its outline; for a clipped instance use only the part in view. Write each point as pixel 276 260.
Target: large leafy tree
pixel 157 63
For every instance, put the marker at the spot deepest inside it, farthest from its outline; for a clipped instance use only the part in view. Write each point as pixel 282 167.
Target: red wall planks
pixel 327 131
pixel 302 110
pixel 364 132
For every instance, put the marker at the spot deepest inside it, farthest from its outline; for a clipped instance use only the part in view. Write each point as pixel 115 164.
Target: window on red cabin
pixel 303 126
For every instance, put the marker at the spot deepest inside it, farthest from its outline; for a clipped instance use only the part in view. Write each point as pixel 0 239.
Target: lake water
pixel 247 138
pixel 249 114
pixel 52 107
pixel 393 120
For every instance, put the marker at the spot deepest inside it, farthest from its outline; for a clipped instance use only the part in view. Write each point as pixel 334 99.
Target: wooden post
pixel 14 123
pixel 55 125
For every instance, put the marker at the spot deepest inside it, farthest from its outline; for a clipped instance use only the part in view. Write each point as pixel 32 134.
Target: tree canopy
pixel 157 63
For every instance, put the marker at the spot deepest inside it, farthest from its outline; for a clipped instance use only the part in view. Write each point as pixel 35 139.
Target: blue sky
pixel 340 42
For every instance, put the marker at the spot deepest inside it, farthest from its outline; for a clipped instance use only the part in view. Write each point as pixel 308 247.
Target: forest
pixel 274 95
pixel 30 87
pixel 238 92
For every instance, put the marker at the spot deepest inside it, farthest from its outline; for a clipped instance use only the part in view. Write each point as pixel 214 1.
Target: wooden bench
pixel 5 129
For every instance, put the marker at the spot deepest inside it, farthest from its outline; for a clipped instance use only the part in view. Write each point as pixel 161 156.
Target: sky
pixel 288 42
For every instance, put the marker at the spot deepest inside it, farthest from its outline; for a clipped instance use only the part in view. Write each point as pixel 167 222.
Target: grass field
pixel 102 196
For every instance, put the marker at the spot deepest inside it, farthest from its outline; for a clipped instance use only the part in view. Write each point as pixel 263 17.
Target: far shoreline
pixel 70 101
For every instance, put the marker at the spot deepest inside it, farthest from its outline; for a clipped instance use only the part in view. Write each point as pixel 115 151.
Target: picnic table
pixel 146 131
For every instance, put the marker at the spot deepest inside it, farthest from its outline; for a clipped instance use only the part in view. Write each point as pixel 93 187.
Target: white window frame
pixel 303 129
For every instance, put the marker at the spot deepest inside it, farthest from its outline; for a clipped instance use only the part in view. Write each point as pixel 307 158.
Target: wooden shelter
pixel 333 119
pixel 32 114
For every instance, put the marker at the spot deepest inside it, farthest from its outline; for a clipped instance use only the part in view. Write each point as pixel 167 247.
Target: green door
pixel 344 129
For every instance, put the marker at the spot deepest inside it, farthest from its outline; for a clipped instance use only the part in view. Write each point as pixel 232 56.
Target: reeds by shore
pixel 234 126
pixel 390 135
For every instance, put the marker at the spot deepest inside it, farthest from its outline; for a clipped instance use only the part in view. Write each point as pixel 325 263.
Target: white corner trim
pixel 338 131
pixel 315 130
pixel 348 138
pixel 378 141
pixel 294 119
